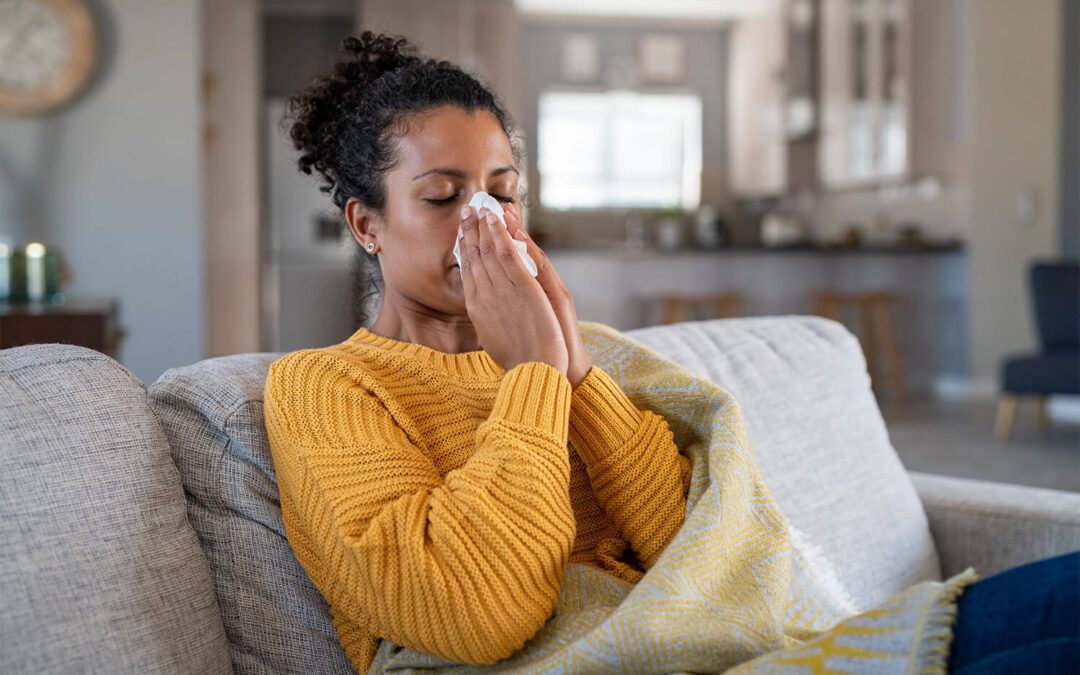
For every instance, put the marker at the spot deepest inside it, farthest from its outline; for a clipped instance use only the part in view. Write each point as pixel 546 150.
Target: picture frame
pixel 661 58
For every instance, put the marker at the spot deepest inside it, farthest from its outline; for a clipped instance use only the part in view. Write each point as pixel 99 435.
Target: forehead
pixel 450 136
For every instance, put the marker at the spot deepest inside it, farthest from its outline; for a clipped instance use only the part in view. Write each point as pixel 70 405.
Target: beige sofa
pixel 142 531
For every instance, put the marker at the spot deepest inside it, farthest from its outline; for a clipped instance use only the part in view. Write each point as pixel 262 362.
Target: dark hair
pixel 345 124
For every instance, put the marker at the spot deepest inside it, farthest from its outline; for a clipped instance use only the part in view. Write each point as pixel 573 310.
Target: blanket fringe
pixel 936 646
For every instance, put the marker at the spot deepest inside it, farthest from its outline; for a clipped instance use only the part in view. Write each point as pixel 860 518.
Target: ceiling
pixel 705 10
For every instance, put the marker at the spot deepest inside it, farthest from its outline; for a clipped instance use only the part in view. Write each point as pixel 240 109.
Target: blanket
pixel 737 590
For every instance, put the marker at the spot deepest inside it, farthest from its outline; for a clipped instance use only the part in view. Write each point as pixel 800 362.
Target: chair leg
pixel 887 336
pixel 868 338
pixel 1042 416
pixel 1006 413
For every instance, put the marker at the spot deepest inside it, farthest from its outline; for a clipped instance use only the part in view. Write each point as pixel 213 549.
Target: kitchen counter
pixel 619 248
pixel 622 288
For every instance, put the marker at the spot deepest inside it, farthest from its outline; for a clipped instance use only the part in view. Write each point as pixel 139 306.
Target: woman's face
pixel 447 155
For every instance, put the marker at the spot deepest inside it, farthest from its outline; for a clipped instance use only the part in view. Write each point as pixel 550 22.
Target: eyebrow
pixel 458 173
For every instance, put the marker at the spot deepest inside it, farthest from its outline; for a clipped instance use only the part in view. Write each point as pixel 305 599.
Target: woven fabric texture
pixel 275 618
pixel 100 571
pixel 819 439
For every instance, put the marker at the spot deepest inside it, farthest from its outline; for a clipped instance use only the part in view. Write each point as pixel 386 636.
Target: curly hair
pixel 345 125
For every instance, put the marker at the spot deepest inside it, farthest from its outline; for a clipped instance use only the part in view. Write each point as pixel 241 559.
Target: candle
pixel 35 271
pixel 5 272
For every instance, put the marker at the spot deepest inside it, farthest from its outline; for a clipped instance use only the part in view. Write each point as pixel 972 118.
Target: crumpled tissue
pixel 484 200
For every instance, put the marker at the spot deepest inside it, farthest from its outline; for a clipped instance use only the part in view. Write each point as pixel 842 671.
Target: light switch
pixel 1026 206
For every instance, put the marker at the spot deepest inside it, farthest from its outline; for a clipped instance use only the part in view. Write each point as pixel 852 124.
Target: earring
pixel 371 246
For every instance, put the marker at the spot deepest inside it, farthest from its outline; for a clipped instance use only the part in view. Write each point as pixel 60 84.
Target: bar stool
pixel 875 332
pixel 676 307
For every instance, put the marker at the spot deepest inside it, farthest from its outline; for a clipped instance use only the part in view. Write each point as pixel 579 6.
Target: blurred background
pixel 908 167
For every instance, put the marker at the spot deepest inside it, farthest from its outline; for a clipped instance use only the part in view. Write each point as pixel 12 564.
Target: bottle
pixel 705 232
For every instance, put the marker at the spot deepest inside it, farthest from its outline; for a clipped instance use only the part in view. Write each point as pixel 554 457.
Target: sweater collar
pixel 478 364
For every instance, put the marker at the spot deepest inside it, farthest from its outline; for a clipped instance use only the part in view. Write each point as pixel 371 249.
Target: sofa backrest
pixel 275 618
pixel 820 440
pixel 100 570
pixel 812 419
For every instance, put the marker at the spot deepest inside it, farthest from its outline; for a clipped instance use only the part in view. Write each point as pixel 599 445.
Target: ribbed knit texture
pixel 435 499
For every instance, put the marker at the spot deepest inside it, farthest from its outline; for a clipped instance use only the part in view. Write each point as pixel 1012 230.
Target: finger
pixel 471 264
pixel 546 275
pixel 488 256
pixel 513 226
pixel 467 281
pixel 506 254
pixel 513 220
pixel 544 269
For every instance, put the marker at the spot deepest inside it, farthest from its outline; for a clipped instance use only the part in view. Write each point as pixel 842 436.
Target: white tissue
pixel 484 200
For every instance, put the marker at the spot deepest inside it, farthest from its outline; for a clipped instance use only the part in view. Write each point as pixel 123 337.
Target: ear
pixel 363 223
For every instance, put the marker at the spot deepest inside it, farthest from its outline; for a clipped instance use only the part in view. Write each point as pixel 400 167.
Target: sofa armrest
pixel 995 526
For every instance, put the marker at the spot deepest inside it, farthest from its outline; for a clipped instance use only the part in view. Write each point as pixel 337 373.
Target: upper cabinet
pixel 820 95
pixel 756 148
pixel 865 90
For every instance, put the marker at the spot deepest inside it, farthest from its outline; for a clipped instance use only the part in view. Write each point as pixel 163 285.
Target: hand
pixel 513 318
pixel 561 301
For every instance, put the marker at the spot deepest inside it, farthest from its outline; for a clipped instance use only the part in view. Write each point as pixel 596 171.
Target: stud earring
pixel 371 246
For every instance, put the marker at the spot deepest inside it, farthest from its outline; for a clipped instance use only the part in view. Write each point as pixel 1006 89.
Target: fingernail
pixel 464 212
pixel 491 219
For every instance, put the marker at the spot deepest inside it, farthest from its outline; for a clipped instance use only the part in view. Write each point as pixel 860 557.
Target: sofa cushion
pixel 801 382
pixel 819 439
pixel 275 618
pixel 100 570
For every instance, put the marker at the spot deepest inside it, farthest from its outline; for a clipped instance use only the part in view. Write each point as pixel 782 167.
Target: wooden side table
pixel 88 322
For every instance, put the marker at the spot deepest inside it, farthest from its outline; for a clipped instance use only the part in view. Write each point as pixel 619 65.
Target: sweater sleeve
pixel 636 470
pixel 465 567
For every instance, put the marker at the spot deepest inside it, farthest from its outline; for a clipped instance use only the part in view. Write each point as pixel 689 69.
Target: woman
pixel 435 490
pixel 440 469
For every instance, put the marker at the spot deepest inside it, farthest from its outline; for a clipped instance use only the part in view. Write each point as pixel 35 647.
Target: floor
pixel 956 438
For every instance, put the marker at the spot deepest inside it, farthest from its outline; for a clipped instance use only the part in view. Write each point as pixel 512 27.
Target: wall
pixel 232 97
pixel 114 181
pixel 1070 142
pixel 481 36
pixel 706 74
pixel 1015 147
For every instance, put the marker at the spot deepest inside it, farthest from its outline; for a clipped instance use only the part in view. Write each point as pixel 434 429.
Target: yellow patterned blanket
pixel 736 590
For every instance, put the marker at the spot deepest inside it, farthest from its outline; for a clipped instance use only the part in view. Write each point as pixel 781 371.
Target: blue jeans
pixel 1023 620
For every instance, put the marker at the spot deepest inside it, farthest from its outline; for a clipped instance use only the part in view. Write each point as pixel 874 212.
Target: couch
pixel 141 530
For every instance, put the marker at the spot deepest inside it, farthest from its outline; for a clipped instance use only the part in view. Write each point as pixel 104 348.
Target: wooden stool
pixel 679 306
pixel 875 331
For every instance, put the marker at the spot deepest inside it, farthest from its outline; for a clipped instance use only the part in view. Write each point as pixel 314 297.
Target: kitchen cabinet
pixel 773 99
pixel 866 78
pixel 820 95
pixel 757 53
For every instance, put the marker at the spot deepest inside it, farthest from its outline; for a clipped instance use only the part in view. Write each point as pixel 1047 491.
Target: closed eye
pixel 441 202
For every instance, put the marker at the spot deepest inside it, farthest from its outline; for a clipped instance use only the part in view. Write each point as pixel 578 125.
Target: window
pixel 619 149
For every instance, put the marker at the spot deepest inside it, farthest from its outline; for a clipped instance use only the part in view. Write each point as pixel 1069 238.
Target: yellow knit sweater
pixel 434 499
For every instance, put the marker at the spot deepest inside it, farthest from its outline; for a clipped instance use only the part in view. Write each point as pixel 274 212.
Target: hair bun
pixel 375 54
